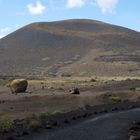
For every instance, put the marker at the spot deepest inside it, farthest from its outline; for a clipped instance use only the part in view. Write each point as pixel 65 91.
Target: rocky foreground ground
pixel 48 109
pixel 45 126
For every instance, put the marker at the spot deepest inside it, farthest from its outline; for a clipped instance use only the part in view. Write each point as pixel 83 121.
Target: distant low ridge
pixel 78 47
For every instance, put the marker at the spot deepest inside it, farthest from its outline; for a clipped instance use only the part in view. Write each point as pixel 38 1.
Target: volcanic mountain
pixel 78 47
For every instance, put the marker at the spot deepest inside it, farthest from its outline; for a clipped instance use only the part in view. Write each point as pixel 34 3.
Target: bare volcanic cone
pixel 76 47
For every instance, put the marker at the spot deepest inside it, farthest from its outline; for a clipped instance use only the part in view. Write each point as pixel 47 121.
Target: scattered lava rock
pixel 66 121
pixel 134 131
pixel 74 91
pixel 73 118
pixel 11 138
pixel 132 137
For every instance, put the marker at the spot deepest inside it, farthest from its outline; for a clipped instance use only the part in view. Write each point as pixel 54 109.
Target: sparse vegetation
pixel 46 113
pixel 6 124
pixel 76 57
pixel 128 79
pixel 68 62
pixel 114 99
pixel 93 80
pixel 66 74
pixel 82 54
pixel 137 89
pixel 46 59
pixel 133 88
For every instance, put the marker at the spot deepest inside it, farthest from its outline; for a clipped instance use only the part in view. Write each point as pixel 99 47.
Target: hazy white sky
pixel 17 13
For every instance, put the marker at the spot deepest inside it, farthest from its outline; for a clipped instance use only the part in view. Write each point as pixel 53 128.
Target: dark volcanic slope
pixel 71 47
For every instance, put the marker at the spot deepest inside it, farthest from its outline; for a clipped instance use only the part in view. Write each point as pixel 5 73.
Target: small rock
pixel 54 123
pixel 25 133
pixel 66 121
pixel 85 115
pixel 133 138
pixel 73 118
pixel 48 127
pixel 10 138
pixel 74 91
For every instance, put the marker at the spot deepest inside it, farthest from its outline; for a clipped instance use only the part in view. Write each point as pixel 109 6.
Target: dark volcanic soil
pixel 58 98
pixel 93 101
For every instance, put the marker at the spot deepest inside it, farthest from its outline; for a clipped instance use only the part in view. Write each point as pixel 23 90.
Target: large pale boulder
pixel 18 85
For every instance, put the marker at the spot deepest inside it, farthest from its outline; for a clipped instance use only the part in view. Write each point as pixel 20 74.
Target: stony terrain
pixel 48 108
pixel 54 95
pixel 101 61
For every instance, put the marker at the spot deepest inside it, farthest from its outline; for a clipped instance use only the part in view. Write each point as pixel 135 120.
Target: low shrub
pixel 6 124
pixel 133 88
pixel 137 89
pixel 93 80
pixel 50 113
pixel 115 99
pixel 66 74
